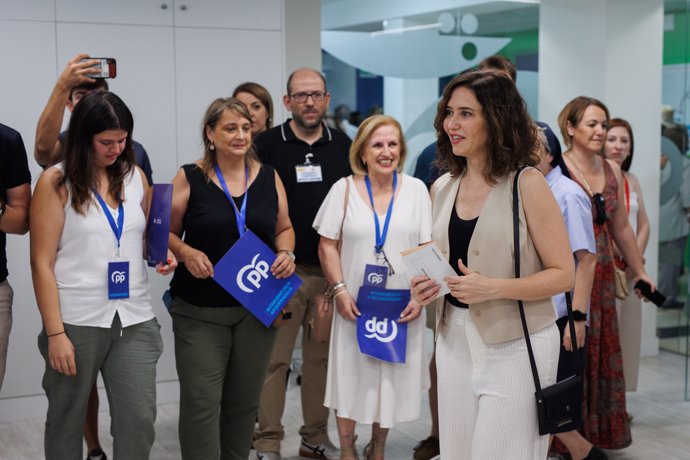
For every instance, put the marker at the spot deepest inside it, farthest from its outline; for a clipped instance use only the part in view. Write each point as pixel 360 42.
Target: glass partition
pixel 399 63
pixel 674 211
pixel 396 57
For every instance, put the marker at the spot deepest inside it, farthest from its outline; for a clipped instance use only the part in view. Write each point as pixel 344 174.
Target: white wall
pixel 171 64
pixel 611 50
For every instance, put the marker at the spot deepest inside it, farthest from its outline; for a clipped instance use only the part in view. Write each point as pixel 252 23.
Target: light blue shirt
pixel 576 208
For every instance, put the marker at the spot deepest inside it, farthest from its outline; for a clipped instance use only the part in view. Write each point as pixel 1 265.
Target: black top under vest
pixel 210 226
pixel 459 235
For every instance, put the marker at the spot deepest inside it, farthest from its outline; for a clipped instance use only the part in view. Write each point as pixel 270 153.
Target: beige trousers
pixel 629 312
pixel 314 360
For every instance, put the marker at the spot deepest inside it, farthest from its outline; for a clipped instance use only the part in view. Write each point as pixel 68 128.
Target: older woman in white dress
pixel 359 387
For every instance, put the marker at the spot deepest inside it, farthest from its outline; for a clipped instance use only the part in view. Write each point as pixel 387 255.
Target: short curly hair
pixel 512 139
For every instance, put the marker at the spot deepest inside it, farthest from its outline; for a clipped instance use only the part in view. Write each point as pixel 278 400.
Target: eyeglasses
pixel 600 205
pixel 316 96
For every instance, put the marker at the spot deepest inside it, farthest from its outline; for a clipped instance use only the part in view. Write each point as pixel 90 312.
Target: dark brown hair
pixel 499 63
pixel 512 136
pixel 96 112
pixel 97 84
pixel 261 94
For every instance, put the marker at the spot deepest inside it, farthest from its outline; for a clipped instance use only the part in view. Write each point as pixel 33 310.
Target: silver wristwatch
pixel 288 252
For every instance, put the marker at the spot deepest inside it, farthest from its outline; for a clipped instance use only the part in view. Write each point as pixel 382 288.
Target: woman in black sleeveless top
pixel 221 349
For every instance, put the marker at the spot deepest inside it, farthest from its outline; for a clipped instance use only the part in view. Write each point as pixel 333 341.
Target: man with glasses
pixel 310 158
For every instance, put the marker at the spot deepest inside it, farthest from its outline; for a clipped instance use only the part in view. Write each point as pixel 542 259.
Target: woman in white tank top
pixel 88 218
pixel 619 147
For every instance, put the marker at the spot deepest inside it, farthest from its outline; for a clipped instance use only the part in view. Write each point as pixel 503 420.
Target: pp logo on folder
pixel 253 273
pixel 245 272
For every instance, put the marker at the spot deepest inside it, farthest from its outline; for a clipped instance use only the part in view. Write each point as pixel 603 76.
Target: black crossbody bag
pixel 559 406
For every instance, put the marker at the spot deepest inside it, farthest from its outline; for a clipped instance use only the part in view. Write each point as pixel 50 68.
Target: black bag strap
pixel 523 319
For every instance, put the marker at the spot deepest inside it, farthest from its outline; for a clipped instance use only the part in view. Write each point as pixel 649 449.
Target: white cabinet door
pixel 145 80
pixel 209 64
pixel 230 14
pixel 28 10
pixel 27 77
pixel 142 12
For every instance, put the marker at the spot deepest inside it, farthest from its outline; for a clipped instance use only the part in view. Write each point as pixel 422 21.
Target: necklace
pixel 580 175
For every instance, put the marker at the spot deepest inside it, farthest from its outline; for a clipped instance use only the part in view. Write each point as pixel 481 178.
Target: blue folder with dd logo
pixel 245 272
pixel 378 332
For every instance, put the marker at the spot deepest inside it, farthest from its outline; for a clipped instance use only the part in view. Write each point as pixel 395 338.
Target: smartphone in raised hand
pixel 106 67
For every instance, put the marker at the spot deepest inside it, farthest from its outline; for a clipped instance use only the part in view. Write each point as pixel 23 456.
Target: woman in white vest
pixel 485 385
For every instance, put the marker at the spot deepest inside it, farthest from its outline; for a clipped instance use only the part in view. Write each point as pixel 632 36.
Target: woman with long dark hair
pixel 88 218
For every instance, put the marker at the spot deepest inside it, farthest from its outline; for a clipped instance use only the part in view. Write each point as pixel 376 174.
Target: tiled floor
pixel 661 426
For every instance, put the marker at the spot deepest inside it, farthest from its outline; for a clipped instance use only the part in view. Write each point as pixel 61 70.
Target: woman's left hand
pixel 471 288
pixel 644 277
pixel 283 266
pixel 411 311
pixel 169 267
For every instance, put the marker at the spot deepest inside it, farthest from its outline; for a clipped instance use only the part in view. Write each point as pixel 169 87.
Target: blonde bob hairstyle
pixel 366 129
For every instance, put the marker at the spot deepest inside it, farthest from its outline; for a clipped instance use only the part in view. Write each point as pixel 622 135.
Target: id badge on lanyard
pixel 308 171
pixel 118 271
pixel 118 280
pixel 377 275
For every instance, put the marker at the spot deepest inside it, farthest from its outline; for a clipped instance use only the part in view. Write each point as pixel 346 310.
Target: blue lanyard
pixel 117 228
pixel 381 236
pixel 240 214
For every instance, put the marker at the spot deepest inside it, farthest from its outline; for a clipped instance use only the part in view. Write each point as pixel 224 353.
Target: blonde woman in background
pixel 361 388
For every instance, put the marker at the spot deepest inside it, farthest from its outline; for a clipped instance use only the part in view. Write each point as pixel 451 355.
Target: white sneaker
pixel 324 451
pixel 267 455
pixel 97 454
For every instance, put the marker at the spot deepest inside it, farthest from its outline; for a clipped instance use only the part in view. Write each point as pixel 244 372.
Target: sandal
pixel 349 452
pixel 372 449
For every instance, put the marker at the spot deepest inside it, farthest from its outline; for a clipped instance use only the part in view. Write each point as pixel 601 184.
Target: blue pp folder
pixel 245 272
pixel 158 225
pixel 379 334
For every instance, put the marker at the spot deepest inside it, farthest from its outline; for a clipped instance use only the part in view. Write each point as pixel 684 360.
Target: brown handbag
pixel 321 318
pixel 621 283
pixel 322 311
